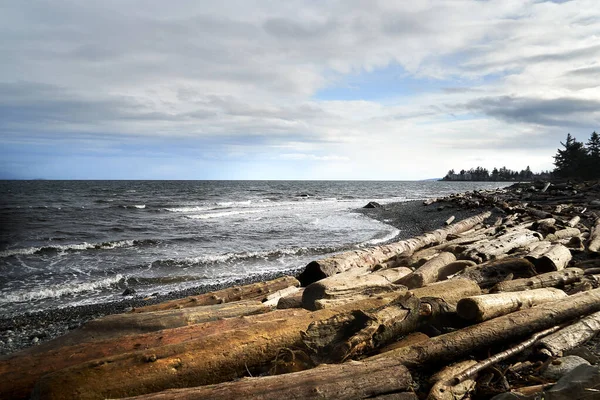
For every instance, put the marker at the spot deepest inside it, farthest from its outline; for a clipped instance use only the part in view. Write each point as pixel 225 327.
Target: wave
pixel 66 289
pixel 76 247
pixel 383 239
pixel 222 214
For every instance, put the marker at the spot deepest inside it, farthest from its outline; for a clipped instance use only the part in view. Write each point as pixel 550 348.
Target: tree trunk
pixel 572 223
pixel 550 279
pixel 571 336
pixel 552 258
pixel 352 285
pixel 450 291
pixel 361 331
pixel 563 234
pixel 490 273
pixel 488 306
pixel 253 291
pixel 135 323
pixel 509 327
pixel 442 390
pixel 273 299
pixel 491 248
pixel 351 380
pixel 201 360
pixel 320 269
pixel 594 245
pixel 291 301
pixel 429 272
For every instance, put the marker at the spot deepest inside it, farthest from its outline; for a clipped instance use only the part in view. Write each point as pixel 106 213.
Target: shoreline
pixel 21 331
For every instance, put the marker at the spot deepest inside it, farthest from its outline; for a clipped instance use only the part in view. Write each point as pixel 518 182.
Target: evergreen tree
pixel 571 161
pixel 593 156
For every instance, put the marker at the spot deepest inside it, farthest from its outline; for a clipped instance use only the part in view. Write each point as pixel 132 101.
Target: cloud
pixel 236 77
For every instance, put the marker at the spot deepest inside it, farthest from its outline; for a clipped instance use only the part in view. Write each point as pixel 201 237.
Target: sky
pixel 357 90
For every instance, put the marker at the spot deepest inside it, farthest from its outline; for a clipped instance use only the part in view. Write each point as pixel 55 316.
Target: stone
pixel 128 292
pixel 372 204
pixel 562 366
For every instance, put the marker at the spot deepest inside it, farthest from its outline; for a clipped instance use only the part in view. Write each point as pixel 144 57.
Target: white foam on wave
pixel 223 214
pixel 57 291
pixel 383 239
pixel 67 247
pixel 188 209
pixel 140 206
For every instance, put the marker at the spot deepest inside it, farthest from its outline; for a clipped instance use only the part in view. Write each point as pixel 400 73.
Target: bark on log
pixel 135 323
pixel 291 301
pixel 563 234
pixel 253 291
pixel 443 389
pixel 408 340
pixel 351 380
pixel 490 249
pixel 450 291
pixel 361 331
pixel 550 279
pixel 488 306
pixel 492 272
pixel 552 258
pixel 352 285
pixel 201 360
pixel 594 244
pixel 429 272
pixel 571 336
pixel 509 327
pixel 320 269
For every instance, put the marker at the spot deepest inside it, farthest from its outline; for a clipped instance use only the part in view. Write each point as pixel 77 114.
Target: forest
pixel 574 160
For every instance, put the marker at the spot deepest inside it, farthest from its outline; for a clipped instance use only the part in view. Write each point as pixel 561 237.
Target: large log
pixel 594 244
pixel 549 279
pixel 488 306
pixel 429 272
pixel 253 291
pixel 550 258
pixel 490 273
pixel 492 248
pixel 135 323
pixel 201 360
pixel 563 234
pixel 361 331
pixel 450 291
pixel 351 380
pixel 352 285
pixel 570 336
pixel 320 269
pixel 509 327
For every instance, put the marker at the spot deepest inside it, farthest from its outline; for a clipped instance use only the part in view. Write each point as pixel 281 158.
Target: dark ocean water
pixel 82 242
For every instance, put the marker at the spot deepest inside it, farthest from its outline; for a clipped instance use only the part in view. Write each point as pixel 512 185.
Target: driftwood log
pixel 430 272
pixel 549 279
pixel 253 291
pixel 570 336
pixel 489 249
pixel 444 389
pixel 549 257
pixel 594 245
pixel 492 272
pixel 320 269
pixel 352 380
pixel 200 360
pixel 488 306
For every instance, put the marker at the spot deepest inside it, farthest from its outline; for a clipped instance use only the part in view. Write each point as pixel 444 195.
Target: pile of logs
pixel 478 307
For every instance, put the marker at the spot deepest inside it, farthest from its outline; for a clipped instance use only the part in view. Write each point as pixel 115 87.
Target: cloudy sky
pixel 120 89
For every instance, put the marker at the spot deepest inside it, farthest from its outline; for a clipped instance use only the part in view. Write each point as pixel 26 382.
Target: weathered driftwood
pixel 135 323
pixel 352 285
pixel 450 220
pixel 572 223
pixel 291 301
pixel 273 299
pixel 201 360
pixel 490 273
pixel 594 244
pixel 253 291
pixel 320 269
pixel 549 279
pixel 408 340
pixel 444 389
pixel 429 272
pixel 570 336
pixel 351 380
pixel 488 306
pixel 563 234
pixel 450 291
pixel 459 343
pixel 492 248
pixel 550 258
pixel 362 331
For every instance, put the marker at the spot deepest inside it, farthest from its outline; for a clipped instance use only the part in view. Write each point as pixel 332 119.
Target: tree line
pixel 575 160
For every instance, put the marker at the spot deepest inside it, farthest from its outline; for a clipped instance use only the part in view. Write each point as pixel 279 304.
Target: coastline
pixel 411 218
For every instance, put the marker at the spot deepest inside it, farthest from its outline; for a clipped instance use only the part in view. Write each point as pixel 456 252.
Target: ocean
pixel 69 243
